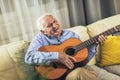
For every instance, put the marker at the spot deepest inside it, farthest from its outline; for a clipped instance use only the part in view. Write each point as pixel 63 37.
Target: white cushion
pixel 103 25
pixel 12 64
pixel 81 31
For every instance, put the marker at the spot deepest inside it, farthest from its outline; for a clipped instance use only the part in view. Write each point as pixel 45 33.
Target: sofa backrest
pixel 81 31
pixel 12 66
pixel 103 25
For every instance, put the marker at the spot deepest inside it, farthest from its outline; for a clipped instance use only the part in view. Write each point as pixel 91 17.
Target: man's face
pixel 51 26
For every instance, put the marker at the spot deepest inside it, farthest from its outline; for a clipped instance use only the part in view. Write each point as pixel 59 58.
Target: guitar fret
pixel 107 32
pixel 83 44
pixel 86 43
pixel 92 40
pixel 95 39
pixel 113 30
pixel 110 31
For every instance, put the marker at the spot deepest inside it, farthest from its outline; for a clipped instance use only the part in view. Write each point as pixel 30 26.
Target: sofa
pixel 13 67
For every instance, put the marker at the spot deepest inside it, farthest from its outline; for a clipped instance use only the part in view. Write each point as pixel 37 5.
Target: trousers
pixel 82 73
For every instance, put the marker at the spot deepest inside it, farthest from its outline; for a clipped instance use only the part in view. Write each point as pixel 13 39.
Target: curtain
pixel 18 17
pixel 84 12
pixel 117 6
pixel 76 12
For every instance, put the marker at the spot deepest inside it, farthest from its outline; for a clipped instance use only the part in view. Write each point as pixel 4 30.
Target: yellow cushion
pixel 110 51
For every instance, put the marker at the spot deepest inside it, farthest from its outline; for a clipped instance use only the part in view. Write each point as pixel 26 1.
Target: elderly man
pixel 51 33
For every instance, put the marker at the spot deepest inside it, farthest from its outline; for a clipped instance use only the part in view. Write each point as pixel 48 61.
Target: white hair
pixel 39 21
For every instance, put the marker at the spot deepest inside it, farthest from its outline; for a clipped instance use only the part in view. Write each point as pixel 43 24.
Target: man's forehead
pixel 48 19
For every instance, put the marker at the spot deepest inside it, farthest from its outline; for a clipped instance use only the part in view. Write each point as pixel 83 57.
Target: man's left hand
pixel 101 39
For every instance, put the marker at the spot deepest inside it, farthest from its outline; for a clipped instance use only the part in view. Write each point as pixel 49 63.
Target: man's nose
pixel 54 26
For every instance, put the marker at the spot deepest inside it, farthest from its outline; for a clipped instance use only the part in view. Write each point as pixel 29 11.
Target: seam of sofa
pixel 13 63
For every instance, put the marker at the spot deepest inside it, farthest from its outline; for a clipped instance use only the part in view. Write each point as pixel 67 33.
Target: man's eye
pixel 54 21
pixel 49 25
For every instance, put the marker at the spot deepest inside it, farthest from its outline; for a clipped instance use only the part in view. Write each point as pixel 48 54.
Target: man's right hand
pixel 67 60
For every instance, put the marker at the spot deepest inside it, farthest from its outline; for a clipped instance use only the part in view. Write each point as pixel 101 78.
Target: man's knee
pixel 74 75
pixel 84 73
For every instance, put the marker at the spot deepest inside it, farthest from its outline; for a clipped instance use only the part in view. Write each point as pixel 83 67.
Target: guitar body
pixel 56 70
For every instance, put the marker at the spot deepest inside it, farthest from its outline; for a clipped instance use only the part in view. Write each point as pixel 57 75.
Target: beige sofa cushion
pixel 9 74
pixel 12 66
pixel 5 59
pixel 7 71
pixel 103 25
pixel 81 31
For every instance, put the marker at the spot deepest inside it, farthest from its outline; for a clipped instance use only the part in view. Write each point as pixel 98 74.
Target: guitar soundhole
pixel 54 65
pixel 70 51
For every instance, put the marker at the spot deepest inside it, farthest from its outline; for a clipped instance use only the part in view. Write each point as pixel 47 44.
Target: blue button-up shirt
pixel 33 56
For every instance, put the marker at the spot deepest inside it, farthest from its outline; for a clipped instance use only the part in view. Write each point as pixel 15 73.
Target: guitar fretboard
pixel 93 39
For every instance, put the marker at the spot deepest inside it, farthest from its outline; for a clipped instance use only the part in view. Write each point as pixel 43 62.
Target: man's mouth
pixel 55 30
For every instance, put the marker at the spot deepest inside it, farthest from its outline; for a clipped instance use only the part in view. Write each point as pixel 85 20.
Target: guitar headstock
pixel 117 28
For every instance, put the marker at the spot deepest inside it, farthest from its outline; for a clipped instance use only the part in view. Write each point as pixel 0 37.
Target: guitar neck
pixel 94 39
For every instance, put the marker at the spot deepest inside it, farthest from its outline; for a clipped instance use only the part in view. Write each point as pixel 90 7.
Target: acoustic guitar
pixel 73 47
